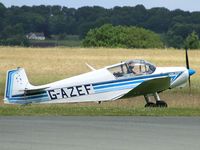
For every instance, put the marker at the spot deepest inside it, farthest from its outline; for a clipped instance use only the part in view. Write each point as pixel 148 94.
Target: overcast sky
pixel 188 5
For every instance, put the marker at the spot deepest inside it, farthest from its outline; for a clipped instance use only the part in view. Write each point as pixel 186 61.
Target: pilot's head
pixel 131 65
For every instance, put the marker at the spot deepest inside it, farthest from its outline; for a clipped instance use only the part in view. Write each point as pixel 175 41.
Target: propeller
pixel 187 64
pixel 187 60
pixel 190 71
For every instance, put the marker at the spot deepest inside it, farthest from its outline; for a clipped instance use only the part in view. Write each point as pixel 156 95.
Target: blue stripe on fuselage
pixel 30 98
pixel 131 79
pixel 27 101
pixel 29 95
pixel 116 84
pixel 115 88
pixel 176 76
pixel 123 83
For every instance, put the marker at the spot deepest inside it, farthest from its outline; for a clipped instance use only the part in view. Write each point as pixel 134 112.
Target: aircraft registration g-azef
pixel 126 79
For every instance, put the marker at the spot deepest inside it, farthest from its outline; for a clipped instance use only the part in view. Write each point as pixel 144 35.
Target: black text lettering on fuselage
pixel 69 92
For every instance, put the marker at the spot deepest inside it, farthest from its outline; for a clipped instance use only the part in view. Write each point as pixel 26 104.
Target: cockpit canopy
pixel 132 68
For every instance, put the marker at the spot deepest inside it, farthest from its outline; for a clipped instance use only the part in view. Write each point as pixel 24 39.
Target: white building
pixel 35 36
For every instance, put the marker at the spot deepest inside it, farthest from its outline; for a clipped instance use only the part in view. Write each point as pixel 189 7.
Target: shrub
pixel 192 41
pixel 15 41
pixel 122 36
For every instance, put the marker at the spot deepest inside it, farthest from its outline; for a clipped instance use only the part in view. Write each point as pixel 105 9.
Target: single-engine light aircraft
pixel 126 79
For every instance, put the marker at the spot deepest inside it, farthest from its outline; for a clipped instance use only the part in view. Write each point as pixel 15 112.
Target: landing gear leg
pixel 159 103
pixel 148 102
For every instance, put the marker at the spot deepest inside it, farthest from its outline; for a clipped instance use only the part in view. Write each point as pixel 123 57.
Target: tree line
pixel 172 26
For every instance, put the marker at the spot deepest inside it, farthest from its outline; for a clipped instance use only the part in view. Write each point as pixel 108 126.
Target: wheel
pixel 161 104
pixel 150 104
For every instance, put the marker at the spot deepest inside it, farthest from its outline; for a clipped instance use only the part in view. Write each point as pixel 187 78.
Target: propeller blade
pixel 187 65
pixel 190 71
pixel 186 58
pixel 189 82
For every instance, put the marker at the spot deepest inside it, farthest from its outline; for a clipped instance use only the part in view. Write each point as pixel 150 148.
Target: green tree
pixel 2 10
pixel 192 41
pixel 2 14
pixel 122 36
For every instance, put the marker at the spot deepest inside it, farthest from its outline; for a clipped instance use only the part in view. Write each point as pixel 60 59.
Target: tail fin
pixel 16 83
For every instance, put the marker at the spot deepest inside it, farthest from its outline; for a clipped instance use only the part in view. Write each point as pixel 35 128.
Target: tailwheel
pixel 161 103
pixel 150 104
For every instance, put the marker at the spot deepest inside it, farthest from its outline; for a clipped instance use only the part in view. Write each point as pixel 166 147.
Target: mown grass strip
pixel 59 110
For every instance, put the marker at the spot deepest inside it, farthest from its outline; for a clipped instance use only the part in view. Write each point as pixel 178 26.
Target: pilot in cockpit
pixel 131 68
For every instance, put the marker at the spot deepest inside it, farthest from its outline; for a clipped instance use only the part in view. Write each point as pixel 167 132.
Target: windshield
pixel 140 67
pixel 132 68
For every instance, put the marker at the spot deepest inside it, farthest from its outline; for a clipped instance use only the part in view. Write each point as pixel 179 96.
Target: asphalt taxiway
pixel 99 133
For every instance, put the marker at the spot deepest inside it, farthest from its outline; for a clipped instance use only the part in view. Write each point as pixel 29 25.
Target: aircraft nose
pixel 191 72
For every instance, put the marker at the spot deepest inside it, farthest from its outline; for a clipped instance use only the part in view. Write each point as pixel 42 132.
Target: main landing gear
pixel 159 103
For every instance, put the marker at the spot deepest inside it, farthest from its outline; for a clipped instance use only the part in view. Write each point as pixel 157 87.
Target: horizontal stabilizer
pixel 35 90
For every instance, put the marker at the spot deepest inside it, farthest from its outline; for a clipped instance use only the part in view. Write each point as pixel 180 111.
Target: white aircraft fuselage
pixel 130 78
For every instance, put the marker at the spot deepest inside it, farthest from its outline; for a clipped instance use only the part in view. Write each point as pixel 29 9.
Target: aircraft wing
pixel 149 87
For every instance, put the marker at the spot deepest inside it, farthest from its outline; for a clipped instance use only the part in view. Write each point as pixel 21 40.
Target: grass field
pixel 45 65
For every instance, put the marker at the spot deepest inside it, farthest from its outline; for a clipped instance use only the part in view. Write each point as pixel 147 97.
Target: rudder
pixel 16 83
